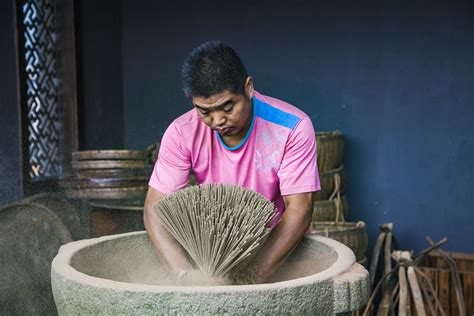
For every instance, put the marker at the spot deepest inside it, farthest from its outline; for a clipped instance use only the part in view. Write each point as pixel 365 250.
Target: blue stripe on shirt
pixel 274 115
pixel 268 113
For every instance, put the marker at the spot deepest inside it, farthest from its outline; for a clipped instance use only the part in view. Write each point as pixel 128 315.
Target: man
pixel 235 135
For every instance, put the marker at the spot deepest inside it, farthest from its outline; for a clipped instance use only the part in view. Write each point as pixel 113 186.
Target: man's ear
pixel 249 87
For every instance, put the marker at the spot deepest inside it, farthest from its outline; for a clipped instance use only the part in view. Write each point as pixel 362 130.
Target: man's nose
pixel 218 118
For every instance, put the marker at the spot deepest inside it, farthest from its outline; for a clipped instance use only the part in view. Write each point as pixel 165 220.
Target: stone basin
pixel 122 274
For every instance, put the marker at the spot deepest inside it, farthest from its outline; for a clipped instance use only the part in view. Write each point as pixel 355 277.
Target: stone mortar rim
pixel 61 266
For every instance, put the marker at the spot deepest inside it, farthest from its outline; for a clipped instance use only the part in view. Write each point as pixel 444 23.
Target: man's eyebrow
pixel 217 107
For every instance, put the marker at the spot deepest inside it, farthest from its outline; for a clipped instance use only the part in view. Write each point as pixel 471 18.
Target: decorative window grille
pixel 42 85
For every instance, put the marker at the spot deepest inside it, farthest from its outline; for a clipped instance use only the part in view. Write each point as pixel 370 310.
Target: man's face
pixel 228 113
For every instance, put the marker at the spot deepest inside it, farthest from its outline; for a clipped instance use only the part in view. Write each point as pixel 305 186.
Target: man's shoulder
pixel 187 120
pixel 281 105
pixel 277 111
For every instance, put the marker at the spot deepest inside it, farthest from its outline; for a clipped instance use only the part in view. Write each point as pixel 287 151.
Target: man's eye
pixel 204 112
pixel 228 108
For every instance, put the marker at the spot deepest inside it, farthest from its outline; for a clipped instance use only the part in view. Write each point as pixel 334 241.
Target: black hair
pixel 211 68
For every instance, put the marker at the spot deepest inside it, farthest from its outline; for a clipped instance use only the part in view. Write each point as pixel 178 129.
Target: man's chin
pixel 224 135
pixel 228 132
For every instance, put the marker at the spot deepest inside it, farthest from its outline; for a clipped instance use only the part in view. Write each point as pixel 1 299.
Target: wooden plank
pixel 441 263
pixel 402 306
pixel 443 289
pixel 467 279
pixel 468 286
pixel 428 277
pixel 427 297
pixel 432 275
pixel 416 293
pixel 458 256
pixel 434 281
pixel 464 261
pixel 429 273
pixel 438 280
pixel 454 308
pixel 454 299
pixel 465 266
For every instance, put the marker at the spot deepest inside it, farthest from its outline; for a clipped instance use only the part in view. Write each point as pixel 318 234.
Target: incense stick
pixel 218 225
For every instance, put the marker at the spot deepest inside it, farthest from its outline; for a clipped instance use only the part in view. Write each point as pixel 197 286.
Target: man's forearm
pixel 166 245
pixel 282 241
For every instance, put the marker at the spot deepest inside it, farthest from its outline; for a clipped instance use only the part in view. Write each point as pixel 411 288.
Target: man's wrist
pixel 181 274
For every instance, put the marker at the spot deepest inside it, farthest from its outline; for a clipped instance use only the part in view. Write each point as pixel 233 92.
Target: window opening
pixel 42 85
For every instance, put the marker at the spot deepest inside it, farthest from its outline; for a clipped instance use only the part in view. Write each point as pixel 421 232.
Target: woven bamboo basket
pixel 90 183
pixel 124 193
pixel 152 152
pixel 109 164
pixel 327 210
pixel 108 175
pixel 353 235
pixel 121 154
pixel 328 183
pixel 114 173
pixel 330 150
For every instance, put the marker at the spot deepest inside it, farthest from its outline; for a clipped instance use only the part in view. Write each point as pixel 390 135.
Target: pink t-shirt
pixel 277 157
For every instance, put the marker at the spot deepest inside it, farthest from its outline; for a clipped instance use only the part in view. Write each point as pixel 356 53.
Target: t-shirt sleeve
pixel 171 171
pixel 298 172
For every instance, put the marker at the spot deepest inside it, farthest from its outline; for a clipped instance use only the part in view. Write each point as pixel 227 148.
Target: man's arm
pixel 285 236
pixel 164 242
pixel 298 173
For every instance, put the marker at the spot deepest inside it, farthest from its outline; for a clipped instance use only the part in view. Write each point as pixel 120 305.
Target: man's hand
pixel 197 278
pixel 284 238
pixel 164 242
pixel 282 241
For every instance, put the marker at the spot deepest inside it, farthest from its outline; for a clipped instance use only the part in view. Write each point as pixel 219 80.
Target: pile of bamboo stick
pixel 220 226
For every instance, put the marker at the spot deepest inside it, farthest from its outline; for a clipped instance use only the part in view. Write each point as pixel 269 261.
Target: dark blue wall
pixel 10 158
pixel 99 45
pixel 396 78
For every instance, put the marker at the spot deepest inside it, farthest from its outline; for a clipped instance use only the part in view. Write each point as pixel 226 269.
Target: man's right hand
pixel 166 245
pixel 197 278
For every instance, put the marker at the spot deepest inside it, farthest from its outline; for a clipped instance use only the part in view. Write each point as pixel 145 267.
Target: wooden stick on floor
pixel 402 307
pixel 415 291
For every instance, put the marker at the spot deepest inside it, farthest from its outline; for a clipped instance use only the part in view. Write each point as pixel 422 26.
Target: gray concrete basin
pixel 121 274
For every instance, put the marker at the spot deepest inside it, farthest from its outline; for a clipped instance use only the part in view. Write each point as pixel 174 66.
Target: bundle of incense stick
pixel 218 225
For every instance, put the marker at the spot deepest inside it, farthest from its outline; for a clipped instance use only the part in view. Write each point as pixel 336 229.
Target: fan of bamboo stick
pixel 218 225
